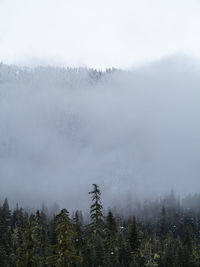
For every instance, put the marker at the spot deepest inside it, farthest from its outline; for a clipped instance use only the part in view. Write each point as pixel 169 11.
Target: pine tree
pixel 96 226
pixel 5 233
pixel 26 254
pixel 96 210
pixel 79 242
pixel 40 236
pixel 188 248
pixel 99 252
pixel 3 257
pixel 65 252
pixel 169 257
pixel 163 222
pixel 123 251
pixel 133 236
pixel 16 243
pixel 134 241
pixel 52 242
pixel 111 241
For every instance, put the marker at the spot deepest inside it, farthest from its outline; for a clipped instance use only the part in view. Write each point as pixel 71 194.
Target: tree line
pixel 170 239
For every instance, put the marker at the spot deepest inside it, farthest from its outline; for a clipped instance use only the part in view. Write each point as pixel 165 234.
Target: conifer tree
pixel 52 242
pixel 40 237
pixel 169 251
pixel 18 218
pixel 65 252
pixel 163 222
pixel 3 257
pixel 5 233
pixel 111 240
pixel 26 254
pixel 99 259
pixel 16 244
pixel 79 242
pixel 134 241
pixel 133 236
pixel 96 226
pixel 188 248
pixel 123 251
pixel 96 210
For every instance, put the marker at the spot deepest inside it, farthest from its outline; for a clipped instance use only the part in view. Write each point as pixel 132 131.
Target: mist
pixel 136 133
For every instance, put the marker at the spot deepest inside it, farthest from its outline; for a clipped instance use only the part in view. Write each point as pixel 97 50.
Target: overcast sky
pixel 100 34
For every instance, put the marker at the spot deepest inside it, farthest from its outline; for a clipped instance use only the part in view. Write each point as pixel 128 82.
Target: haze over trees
pixel 135 133
pixel 99 133
pixel 164 233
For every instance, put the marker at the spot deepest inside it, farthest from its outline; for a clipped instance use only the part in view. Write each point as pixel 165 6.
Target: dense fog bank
pixel 136 133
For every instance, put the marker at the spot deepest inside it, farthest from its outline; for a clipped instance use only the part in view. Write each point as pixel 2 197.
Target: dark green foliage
pixel 26 253
pixel 169 238
pixel 79 241
pixel 96 211
pixel 96 232
pixel 133 236
pixel 39 227
pixel 111 241
pixel 65 253
pixel 5 234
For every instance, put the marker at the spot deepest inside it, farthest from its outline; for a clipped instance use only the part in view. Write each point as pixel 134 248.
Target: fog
pixel 136 133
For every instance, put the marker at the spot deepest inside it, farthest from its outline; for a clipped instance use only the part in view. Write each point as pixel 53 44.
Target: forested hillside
pixel 129 131
pixel 164 233
pixel 99 133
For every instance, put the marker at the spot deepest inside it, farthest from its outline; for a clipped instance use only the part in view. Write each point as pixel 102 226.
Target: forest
pixel 99 133
pixel 163 233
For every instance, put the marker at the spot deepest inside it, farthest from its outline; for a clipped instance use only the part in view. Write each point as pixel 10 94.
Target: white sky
pixel 100 34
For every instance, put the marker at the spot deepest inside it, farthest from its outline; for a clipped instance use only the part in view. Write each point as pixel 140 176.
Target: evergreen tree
pixel 134 236
pixel 52 242
pixel 163 222
pixel 79 242
pixel 188 248
pixel 123 251
pixel 35 240
pixel 96 226
pixel 96 210
pixel 111 241
pixel 169 252
pixel 65 252
pixel 134 241
pixel 40 236
pixel 26 254
pixel 5 233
